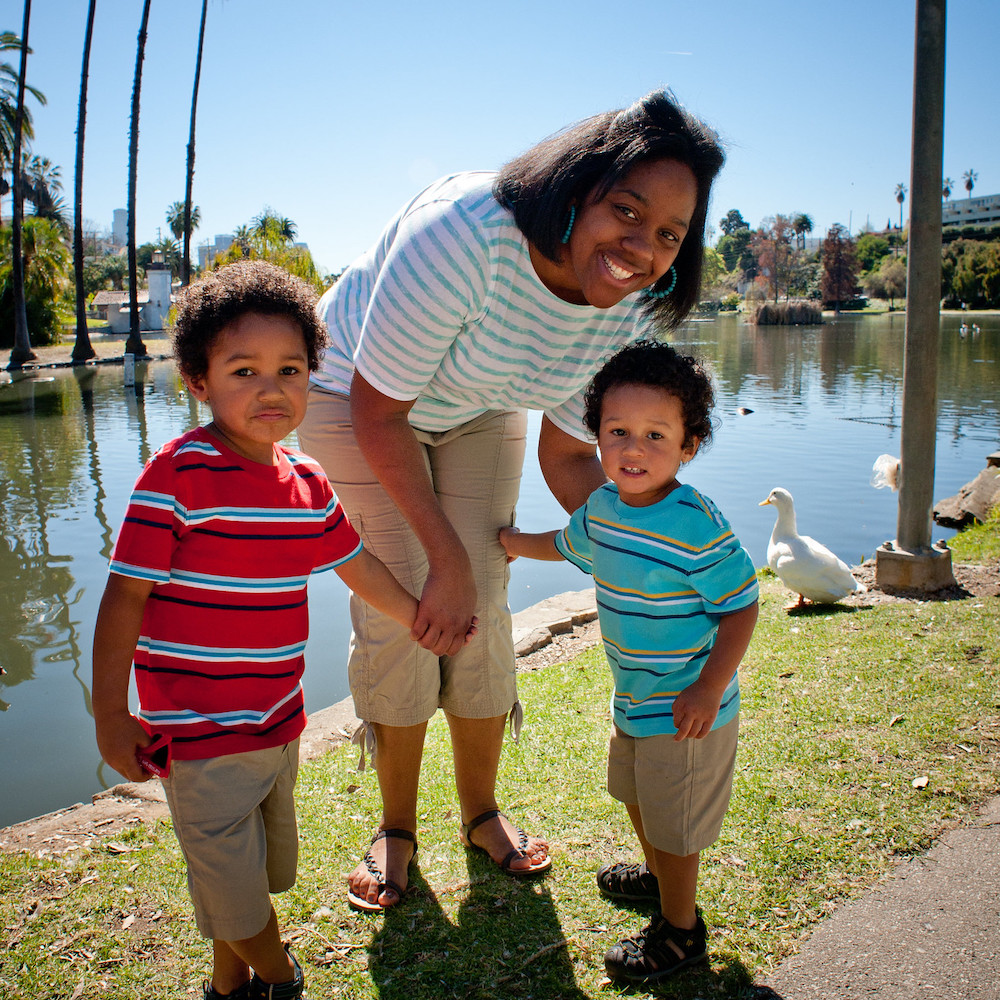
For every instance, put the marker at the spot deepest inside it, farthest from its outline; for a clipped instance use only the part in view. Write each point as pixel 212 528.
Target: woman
pixel 484 297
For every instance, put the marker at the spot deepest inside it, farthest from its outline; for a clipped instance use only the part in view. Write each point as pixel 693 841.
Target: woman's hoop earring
pixel 650 294
pixel 569 225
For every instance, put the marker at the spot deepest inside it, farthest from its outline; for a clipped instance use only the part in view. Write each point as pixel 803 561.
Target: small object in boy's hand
pixel 155 758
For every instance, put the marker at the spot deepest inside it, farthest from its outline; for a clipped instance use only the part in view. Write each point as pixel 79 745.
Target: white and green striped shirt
pixel 447 310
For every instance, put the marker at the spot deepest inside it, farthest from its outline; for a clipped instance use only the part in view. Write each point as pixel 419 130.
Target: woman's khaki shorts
pixel 476 472
pixel 234 817
pixel 682 789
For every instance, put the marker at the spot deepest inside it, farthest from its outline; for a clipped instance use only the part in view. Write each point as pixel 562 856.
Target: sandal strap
pixel 649 954
pixel 398 832
pixel 483 817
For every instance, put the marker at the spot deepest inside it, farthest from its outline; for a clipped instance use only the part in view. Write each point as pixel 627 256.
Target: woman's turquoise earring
pixel 650 294
pixel 569 225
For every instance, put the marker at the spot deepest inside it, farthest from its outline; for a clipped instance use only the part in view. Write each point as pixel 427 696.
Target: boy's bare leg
pixel 476 745
pixel 398 750
pixel 229 971
pixel 264 953
pixel 677 875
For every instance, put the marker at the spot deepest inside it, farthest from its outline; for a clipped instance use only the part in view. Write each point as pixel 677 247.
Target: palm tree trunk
pixel 22 342
pixel 186 259
pixel 82 349
pixel 134 344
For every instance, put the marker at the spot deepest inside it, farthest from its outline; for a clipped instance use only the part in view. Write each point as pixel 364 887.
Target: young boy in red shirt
pixel 207 597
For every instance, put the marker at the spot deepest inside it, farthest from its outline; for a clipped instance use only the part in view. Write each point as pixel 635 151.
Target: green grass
pixel 845 712
pixel 979 543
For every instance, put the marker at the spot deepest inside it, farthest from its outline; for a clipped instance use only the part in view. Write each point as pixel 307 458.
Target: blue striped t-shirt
pixel 664 574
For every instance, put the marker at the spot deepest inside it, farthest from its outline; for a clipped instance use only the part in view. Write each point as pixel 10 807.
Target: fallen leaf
pixel 922 782
pixel 895 719
pixel 128 921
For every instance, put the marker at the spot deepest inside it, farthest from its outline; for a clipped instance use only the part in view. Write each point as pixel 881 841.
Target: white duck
pixel 803 564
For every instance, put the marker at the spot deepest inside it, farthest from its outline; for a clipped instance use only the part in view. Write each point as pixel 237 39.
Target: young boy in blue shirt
pixel 677 601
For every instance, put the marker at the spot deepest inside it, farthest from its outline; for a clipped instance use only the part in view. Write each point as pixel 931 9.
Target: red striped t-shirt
pixel 229 545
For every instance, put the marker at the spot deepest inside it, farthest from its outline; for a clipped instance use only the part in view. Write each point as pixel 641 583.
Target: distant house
pixel 154 302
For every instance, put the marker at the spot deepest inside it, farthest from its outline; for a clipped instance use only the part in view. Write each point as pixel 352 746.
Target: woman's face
pixel 629 238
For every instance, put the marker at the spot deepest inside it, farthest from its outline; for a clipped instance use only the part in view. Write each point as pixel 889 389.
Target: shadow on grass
pixel 506 941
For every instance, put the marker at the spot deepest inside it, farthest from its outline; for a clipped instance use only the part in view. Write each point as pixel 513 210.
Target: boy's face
pixel 256 384
pixel 642 442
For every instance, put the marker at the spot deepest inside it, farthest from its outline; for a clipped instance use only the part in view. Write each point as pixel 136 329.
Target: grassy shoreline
pixel 845 712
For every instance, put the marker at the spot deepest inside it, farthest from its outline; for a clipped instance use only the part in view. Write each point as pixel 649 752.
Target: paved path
pixel 931 930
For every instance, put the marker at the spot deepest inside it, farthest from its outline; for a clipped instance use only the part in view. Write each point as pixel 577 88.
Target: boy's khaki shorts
pixel 682 789
pixel 234 817
pixel 476 472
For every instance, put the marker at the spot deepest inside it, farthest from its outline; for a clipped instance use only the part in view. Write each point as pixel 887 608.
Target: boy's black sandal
pixel 211 993
pixel 259 990
pixel 629 881
pixel 647 957
pixel 359 902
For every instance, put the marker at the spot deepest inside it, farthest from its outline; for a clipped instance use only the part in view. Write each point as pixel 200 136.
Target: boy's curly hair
pixel 656 364
pixel 225 295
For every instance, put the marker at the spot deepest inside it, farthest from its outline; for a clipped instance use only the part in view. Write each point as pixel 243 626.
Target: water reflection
pixel 825 403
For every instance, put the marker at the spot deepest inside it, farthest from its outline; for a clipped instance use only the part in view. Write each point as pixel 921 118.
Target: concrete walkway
pixel 931 930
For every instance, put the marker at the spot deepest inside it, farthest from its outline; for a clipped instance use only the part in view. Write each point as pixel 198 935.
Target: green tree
pixel 801 225
pixel 21 351
pixel 840 267
pixel 732 222
pixel 45 260
pixel 946 185
pixel 176 216
pixel 735 249
pixel 134 344
pixel 9 83
pixel 900 197
pixel 190 223
pixel 82 347
pixel 115 269
pixel 870 249
pixel 41 185
pixel 888 281
pixel 970 177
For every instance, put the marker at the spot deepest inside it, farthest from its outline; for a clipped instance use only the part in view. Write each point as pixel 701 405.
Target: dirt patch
pixel 970 581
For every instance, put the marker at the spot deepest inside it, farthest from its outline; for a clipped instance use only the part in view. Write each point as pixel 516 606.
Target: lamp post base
pixel 926 569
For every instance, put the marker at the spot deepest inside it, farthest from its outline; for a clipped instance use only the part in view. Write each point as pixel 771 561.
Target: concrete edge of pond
pixel 81 825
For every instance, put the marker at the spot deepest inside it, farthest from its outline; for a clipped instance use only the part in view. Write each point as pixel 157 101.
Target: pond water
pixel 826 402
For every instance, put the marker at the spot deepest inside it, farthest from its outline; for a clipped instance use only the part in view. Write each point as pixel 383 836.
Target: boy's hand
pixel 118 738
pixel 506 540
pixel 695 710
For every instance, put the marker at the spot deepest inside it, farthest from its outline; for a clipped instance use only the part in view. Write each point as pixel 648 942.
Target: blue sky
pixel 334 115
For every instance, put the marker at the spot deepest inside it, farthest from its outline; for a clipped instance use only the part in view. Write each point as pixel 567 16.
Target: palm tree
pixel 176 219
pixel 900 197
pixel 9 80
pixel 41 184
pixel 801 225
pixel 946 187
pixel 190 219
pixel 269 229
pixel 970 177
pixel 134 344
pixel 22 351
pixel 82 348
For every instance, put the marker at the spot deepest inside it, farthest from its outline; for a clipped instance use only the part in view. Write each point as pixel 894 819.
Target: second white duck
pixel 802 564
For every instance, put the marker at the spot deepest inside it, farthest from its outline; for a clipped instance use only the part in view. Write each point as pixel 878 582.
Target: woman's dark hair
pixel 586 159
pixel 656 364
pixel 225 295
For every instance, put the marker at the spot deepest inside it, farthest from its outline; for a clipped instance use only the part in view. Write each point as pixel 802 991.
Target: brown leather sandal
pixel 359 902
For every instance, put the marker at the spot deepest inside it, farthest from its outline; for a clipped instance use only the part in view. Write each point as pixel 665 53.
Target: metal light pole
pixel 911 560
